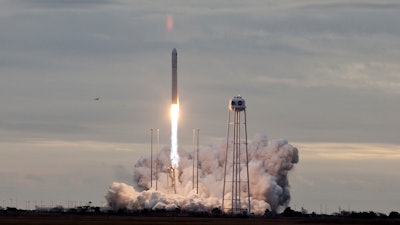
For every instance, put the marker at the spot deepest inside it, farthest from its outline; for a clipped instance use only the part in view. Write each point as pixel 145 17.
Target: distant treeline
pixel 216 212
pixel 350 214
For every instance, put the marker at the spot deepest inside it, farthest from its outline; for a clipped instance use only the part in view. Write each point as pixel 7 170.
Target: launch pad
pixel 172 175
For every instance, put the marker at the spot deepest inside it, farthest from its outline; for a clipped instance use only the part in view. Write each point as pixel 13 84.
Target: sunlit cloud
pixel 364 75
pixel 378 76
pixel 84 146
pixel 349 151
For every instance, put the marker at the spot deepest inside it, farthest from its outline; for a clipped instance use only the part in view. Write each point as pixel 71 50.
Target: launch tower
pixel 236 187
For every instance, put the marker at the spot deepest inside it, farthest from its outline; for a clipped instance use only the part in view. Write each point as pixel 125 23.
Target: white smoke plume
pixel 269 164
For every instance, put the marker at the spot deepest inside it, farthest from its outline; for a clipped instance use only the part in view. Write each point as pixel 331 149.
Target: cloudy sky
pixel 322 74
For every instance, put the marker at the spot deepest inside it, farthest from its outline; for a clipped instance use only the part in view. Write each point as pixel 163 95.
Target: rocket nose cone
pixel 174 51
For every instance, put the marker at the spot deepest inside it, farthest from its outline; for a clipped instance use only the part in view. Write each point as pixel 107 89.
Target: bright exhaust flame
pixel 174 135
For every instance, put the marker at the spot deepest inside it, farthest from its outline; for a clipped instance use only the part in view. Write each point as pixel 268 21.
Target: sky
pixel 322 74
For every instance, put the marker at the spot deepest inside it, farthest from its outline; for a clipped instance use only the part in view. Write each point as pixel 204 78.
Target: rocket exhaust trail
pixel 174 135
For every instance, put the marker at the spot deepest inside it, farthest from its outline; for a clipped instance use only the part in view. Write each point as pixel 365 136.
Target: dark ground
pixel 121 220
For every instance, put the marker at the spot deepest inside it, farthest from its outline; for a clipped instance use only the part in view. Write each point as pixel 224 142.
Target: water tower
pixel 236 188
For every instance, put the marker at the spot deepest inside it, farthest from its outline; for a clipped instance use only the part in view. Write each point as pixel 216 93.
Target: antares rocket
pixel 174 77
pixel 174 121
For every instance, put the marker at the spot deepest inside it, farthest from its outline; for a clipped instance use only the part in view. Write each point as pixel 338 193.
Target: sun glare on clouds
pixel 350 151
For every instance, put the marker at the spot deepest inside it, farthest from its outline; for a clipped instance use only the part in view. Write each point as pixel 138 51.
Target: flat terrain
pixel 121 220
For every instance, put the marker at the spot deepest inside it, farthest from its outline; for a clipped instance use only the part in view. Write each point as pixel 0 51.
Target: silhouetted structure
pixel 236 188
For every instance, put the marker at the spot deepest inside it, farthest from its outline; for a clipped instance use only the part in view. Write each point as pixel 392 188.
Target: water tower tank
pixel 236 104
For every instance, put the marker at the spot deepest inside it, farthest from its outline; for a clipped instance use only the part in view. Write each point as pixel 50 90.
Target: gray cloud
pixel 370 5
pixel 34 178
pixel 64 3
pixel 258 51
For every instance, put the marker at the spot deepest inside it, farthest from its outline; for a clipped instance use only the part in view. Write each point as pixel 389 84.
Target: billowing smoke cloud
pixel 269 164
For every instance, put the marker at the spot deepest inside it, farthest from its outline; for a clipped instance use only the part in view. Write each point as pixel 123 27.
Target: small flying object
pixel 97 99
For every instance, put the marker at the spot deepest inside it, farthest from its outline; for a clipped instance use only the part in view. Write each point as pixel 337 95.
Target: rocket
pixel 174 77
